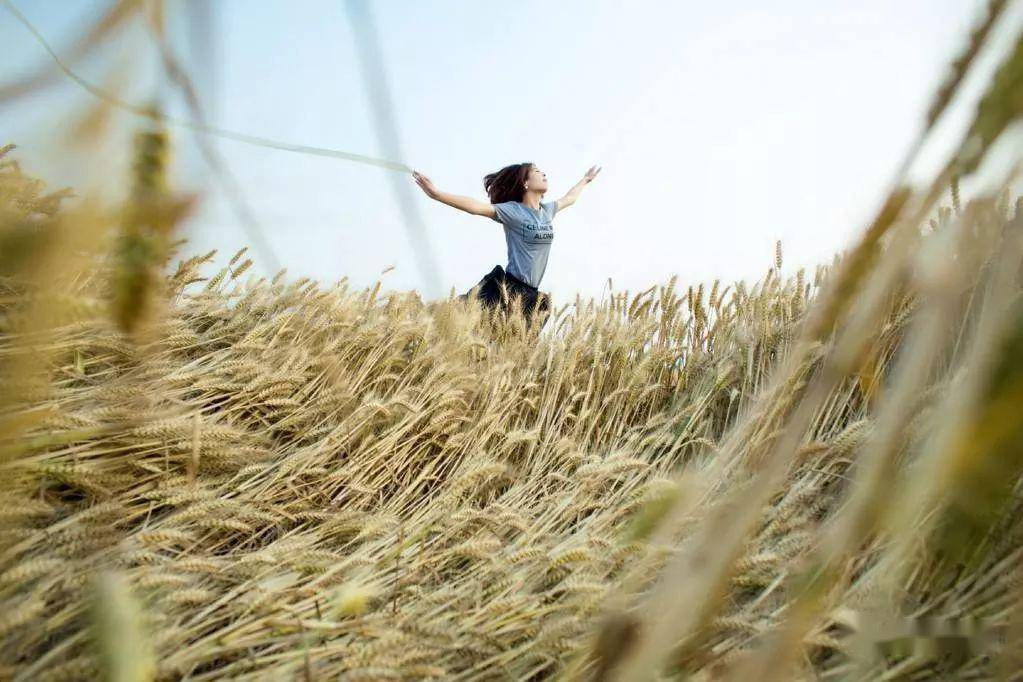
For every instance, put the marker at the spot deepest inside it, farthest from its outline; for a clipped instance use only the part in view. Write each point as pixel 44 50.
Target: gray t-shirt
pixel 529 234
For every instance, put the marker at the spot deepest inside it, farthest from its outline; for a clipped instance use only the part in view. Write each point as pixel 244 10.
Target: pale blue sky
pixel 721 127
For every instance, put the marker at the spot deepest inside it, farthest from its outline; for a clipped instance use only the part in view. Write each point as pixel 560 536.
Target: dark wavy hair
pixel 507 184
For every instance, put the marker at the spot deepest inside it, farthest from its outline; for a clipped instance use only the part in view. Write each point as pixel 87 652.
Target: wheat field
pixel 207 475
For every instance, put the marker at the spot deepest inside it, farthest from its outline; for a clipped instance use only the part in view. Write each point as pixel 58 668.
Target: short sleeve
pixel 551 207
pixel 502 213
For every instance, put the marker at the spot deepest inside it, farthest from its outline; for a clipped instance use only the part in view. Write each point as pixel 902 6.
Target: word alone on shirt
pixel 529 234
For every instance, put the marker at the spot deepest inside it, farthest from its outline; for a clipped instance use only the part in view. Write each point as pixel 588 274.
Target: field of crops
pixel 281 480
pixel 206 475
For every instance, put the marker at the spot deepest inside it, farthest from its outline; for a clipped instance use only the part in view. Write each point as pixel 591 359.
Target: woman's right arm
pixel 467 204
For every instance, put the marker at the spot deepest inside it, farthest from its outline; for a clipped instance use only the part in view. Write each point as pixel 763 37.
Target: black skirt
pixel 488 291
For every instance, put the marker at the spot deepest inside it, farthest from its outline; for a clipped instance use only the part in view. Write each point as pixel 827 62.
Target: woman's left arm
pixel 573 194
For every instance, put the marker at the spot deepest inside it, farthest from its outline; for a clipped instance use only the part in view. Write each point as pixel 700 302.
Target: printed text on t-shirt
pixel 537 234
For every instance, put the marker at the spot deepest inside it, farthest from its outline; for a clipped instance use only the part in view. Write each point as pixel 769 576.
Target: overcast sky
pixel 721 127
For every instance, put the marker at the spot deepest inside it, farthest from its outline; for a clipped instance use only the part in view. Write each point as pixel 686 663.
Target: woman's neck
pixel 532 199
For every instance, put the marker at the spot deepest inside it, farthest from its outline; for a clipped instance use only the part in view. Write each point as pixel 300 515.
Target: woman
pixel 515 194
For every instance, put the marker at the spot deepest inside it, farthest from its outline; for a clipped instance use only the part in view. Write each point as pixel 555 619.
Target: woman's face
pixel 537 180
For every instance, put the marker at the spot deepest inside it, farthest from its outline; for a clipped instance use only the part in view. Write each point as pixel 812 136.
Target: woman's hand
pixel 427 184
pixel 573 194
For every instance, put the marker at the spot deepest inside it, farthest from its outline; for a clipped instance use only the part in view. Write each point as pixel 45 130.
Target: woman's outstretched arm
pixel 467 204
pixel 573 194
